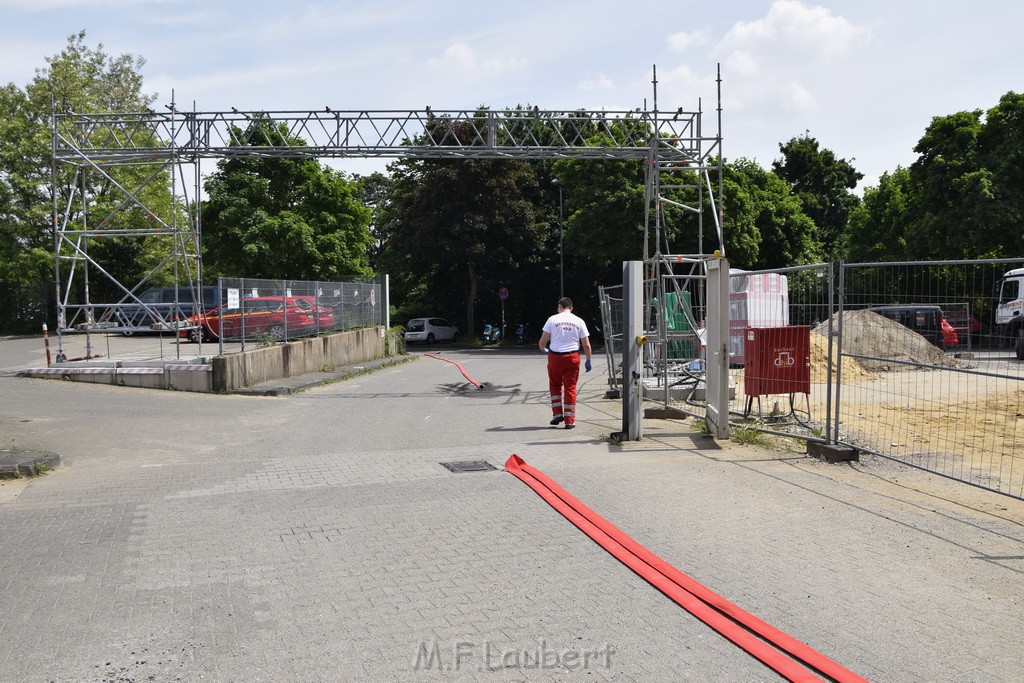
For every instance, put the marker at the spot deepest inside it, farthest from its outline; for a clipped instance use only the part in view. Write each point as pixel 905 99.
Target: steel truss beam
pixel 174 140
pixel 526 134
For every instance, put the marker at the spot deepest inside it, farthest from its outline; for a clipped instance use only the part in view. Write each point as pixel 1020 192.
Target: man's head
pixel 565 304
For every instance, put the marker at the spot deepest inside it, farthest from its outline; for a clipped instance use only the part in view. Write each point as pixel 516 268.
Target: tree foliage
pixel 961 198
pixel 765 223
pixel 877 227
pixel 461 229
pixel 823 183
pixel 283 218
pixel 452 232
pixel 79 79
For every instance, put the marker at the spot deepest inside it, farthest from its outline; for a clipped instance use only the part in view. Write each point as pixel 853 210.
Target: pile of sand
pixel 866 333
pixel 852 369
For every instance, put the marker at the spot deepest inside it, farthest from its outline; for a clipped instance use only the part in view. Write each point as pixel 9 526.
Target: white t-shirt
pixel 566 331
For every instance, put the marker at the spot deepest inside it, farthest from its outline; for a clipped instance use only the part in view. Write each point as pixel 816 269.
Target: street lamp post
pixel 561 233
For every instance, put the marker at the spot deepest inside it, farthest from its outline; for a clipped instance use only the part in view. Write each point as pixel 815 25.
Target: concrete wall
pixel 297 357
pixel 227 373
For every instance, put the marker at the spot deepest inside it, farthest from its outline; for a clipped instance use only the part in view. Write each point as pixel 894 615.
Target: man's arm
pixel 543 343
pixel 585 342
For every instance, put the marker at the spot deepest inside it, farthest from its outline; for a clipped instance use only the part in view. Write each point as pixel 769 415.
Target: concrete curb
pixel 291 385
pixel 15 464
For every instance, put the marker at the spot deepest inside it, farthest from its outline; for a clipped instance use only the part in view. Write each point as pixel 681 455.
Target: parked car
pixel 927 321
pixel 430 330
pixel 949 336
pixel 159 305
pixel 964 323
pixel 322 313
pixel 274 316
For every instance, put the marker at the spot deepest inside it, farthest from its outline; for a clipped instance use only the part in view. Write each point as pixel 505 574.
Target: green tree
pixel 283 218
pixel 79 79
pixel 823 184
pixel 458 230
pixel 878 227
pixel 1001 152
pixel 950 188
pixel 765 223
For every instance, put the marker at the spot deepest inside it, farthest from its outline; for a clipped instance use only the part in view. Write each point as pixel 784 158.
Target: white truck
pixel 1010 310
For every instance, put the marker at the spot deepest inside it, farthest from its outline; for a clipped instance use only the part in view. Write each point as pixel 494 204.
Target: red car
pixel 274 316
pixel 964 323
pixel 949 336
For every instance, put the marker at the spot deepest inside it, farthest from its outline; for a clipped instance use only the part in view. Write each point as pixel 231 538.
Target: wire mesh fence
pixel 250 310
pixel 930 368
pixel 919 362
pixel 610 299
pixel 782 365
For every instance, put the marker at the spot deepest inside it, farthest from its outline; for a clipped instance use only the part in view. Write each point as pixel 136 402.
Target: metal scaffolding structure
pixel 171 145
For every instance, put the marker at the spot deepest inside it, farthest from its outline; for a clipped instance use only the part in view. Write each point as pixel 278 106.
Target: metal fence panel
pixel 254 311
pixel 912 391
pixel 610 299
pixel 781 350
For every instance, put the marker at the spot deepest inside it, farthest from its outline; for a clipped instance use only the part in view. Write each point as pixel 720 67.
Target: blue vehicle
pixel 492 333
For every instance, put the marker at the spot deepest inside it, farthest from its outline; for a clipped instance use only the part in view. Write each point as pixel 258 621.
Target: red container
pixel 778 360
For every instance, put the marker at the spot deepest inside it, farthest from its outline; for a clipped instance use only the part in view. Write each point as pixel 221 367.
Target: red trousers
pixel 563 373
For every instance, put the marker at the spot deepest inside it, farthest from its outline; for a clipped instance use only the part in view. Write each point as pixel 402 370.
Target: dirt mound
pixel 866 333
pixel 852 369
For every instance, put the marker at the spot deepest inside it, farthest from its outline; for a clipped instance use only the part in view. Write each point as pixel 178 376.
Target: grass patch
pixel 748 436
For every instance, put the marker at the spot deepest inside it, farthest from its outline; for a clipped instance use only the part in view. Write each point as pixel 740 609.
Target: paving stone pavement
pixel 316 537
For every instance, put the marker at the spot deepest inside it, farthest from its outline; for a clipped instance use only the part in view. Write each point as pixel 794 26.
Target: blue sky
pixel 864 77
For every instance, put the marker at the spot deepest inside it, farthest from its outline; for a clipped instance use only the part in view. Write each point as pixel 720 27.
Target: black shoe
pixel 557 420
pixel 570 426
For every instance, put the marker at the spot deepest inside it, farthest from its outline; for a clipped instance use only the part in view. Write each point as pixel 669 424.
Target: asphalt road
pixel 318 537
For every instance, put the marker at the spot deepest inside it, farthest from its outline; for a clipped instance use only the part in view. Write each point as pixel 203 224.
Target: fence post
pixel 386 300
pixel 241 316
pixel 632 350
pixel 717 348
pixel 221 302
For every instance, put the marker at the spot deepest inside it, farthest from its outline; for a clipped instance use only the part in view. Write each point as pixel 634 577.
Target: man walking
pixel 567 334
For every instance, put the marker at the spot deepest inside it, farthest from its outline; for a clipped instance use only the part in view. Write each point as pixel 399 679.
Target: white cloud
pixel 785 62
pixel 794 34
pixel 799 99
pixel 683 41
pixel 597 81
pixel 462 59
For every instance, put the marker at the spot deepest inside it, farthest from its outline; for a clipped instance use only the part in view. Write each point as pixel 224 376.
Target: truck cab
pixel 1009 322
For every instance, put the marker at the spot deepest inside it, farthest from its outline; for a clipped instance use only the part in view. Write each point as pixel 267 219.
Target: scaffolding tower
pixel 170 147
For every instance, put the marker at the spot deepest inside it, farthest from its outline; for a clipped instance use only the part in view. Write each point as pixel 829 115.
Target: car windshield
pixel 415 326
pixel 302 303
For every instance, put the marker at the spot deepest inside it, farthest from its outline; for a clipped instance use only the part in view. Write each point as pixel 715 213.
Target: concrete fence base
pixel 227 373
pixel 298 357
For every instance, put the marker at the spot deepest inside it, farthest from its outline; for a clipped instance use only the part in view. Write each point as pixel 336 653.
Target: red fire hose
pixel 458 365
pixel 782 653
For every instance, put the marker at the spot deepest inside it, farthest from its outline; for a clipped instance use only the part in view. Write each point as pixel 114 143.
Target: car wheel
pixel 276 332
pixel 195 335
pixel 430 338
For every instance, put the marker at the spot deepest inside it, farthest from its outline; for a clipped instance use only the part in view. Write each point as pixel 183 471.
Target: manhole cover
pixel 468 466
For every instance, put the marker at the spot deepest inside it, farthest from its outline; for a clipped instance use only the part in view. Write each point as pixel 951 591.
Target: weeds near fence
pixel 394 341
pixel 262 340
pixel 749 436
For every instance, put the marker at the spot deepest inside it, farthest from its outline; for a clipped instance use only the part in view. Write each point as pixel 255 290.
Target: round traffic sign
pixel 503 293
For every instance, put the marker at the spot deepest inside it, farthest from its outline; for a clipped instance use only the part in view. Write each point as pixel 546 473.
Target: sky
pixel 863 77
